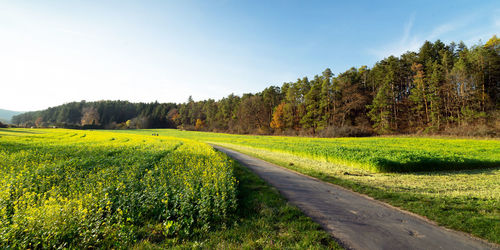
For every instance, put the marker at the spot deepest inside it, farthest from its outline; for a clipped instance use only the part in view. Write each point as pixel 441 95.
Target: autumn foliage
pixel 277 121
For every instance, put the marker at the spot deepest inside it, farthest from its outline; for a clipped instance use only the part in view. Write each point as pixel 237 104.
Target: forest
pixel 440 89
pixel 101 114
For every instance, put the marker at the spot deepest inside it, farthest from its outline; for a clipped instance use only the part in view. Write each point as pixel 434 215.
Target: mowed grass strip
pixel 375 154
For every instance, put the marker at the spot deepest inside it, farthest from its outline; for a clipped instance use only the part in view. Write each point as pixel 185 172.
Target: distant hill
pixel 6 115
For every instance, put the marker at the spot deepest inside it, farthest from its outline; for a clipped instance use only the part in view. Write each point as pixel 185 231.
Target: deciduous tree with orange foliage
pixel 278 122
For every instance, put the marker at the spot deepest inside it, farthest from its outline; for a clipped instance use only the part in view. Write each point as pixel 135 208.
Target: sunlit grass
pixel 264 221
pixel 89 189
pixel 467 200
pixel 93 189
pixel 462 199
pixel 376 154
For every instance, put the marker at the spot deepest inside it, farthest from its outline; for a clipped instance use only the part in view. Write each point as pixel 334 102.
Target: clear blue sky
pixel 52 52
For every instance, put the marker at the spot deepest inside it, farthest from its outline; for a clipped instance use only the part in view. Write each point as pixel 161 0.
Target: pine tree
pixel 419 94
pixel 434 96
pixel 380 108
pixel 312 117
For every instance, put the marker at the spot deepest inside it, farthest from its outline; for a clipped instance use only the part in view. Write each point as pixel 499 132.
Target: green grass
pixel 465 200
pixel 94 189
pixel 376 154
pixel 264 221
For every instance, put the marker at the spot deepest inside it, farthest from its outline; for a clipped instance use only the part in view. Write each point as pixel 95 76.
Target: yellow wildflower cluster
pixel 92 189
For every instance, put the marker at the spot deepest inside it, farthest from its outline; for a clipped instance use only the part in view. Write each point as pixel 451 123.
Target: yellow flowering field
pixel 93 189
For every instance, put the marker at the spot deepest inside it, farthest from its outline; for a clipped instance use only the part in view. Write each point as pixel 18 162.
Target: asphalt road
pixel 357 221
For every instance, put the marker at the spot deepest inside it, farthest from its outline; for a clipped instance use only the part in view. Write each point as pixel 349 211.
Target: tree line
pixel 102 114
pixel 441 88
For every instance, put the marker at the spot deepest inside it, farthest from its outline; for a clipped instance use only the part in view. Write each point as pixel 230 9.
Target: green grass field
pixel 96 189
pixel 466 197
pixel 376 154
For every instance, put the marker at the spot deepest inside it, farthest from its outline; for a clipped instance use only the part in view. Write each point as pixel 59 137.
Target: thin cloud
pixel 496 18
pixel 442 29
pixel 412 42
pixel 405 43
pixel 407 30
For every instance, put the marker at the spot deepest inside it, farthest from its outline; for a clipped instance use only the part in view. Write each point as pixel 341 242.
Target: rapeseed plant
pixel 89 189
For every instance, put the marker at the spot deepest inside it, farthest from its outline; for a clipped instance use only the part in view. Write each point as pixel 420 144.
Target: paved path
pixel 356 221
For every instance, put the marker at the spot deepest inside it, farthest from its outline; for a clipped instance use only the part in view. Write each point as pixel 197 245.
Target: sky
pixel 54 52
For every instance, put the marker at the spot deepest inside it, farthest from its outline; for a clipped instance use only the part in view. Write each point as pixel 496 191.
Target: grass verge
pixel 264 220
pixel 467 200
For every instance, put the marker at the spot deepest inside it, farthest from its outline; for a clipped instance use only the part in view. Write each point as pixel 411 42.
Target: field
pixel 81 188
pixel 94 189
pixel 381 154
pixel 85 189
pixel 465 196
